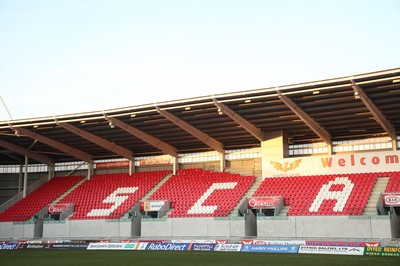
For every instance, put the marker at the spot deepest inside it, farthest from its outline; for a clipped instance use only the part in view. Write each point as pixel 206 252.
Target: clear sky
pixel 70 56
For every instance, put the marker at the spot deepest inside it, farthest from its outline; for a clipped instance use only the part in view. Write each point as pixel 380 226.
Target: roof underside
pixel 340 108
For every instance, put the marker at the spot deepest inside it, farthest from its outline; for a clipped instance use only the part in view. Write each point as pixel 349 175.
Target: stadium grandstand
pixel 316 160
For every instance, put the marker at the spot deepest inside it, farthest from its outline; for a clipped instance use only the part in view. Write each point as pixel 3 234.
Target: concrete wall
pixel 191 227
pixel 17 230
pixel 324 227
pixel 86 229
pixel 267 227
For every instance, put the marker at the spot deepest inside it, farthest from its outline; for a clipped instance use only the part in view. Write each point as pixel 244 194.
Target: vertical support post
pixel 394 144
pixel 25 177
pixel 222 161
pixel 250 223
pixel 175 165
pixel 131 166
pixel 20 178
pixel 90 171
pixel 51 171
pixel 330 149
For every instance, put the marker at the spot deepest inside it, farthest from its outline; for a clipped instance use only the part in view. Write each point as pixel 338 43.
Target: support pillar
pixel 90 171
pixel 175 165
pixel 131 166
pixel 222 161
pixel 21 169
pixel 330 149
pixel 25 177
pixel 51 171
pixel 394 144
pixel 250 223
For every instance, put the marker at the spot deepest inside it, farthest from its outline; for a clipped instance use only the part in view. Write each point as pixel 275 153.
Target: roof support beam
pixel 31 154
pixel 162 146
pixel 56 145
pixel 106 144
pixel 249 127
pixel 379 117
pixel 211 142
pixel 308 120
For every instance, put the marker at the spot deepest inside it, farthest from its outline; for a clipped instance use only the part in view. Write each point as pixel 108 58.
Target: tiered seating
pixel 321 194
pixel 394 182
pixel 38 199
pixel 199 193
pixel 110 196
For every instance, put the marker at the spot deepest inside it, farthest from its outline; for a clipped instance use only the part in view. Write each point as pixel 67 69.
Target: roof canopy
pixel 359 106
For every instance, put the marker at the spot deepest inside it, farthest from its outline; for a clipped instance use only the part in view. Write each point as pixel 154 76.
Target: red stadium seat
pixel 309 195
pixel 38 199
pixel 219 192
pixel 110 196
pixel 394 182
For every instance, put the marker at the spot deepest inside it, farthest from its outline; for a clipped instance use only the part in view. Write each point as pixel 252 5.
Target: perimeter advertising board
pixel 167 246
pixel 273 242
pixel 342 243
pixel 34 246
pixel 9 246
pixel 202 247
pixel 355 251
pixel 112 246
pixel 270 249
pixel 382 251
pixel 69 246
pixel 228 247
pixel 142 245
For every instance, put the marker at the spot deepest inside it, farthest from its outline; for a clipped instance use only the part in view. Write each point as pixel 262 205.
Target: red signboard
pixel 127 241
pixel 342 243
pixel 58 208
pixel 391 199
pixel 117 164
pixel 263 202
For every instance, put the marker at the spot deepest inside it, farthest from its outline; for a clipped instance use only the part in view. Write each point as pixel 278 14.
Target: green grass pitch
pixel 118 258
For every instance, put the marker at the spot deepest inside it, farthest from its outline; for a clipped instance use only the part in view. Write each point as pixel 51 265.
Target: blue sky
pixel 69 56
